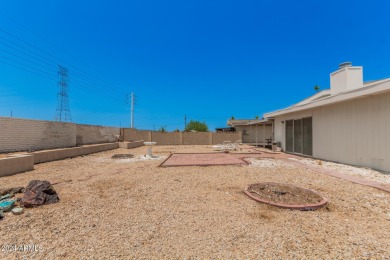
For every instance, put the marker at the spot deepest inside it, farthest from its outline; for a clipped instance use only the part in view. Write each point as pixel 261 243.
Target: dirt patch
pixel 262 215
pixel 202 159
pixel 284 193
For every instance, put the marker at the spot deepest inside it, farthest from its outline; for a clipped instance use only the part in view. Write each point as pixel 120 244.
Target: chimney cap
pixel 345 64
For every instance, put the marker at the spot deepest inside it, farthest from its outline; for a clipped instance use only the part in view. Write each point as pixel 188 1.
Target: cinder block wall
pixel 91 134
pixel 130 134
pixel 174 138
pixel 197 138
pixel 25 134
pixel 179 138
pixel 219 138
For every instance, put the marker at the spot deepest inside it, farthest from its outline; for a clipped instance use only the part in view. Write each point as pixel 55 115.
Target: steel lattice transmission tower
pixel 63 111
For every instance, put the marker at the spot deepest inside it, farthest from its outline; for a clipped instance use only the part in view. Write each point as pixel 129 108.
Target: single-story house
pixel 254 131
pixel 348 123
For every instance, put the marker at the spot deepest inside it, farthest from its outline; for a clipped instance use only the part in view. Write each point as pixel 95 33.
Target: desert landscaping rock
pixel 39 193
pixel 137 210
pixel 7 205
pixel 17 211
pixel 5 197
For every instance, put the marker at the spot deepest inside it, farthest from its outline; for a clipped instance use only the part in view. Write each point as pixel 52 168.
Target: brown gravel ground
pixel 137 210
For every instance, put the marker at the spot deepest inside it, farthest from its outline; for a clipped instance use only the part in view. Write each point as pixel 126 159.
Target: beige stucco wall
pixel 356 132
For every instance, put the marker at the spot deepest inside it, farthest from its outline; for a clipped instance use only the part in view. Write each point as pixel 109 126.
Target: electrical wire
pixel 48 75
pixel 43 66
pixel 54 57
pixel 86 84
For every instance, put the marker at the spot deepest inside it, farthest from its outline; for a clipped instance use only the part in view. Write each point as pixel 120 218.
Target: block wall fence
pixel 26 135
pixel 18 135
pixel 179 138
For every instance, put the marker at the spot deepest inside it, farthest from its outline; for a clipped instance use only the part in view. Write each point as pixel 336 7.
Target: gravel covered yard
pixel 131 208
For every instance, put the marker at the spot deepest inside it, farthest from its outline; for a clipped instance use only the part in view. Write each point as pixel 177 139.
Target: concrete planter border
pixel 17 163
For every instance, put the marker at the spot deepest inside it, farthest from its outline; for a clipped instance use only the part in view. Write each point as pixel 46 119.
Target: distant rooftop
pixel 240 122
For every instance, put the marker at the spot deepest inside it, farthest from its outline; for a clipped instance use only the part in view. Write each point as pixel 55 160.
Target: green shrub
pixel 197 126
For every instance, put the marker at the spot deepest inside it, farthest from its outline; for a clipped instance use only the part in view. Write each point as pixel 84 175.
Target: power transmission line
pixel 49 76
pixel 32 64
pixel 20 67
pixel 63 111
pixel 94 88
pixel 45 40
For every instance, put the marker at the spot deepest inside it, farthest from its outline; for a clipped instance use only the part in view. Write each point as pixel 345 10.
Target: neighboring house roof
pixel 259 122
pixel 247 122
pixel 325 98
pixel 235 122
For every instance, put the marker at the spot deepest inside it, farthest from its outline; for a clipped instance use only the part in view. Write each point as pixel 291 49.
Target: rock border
pixel 314 206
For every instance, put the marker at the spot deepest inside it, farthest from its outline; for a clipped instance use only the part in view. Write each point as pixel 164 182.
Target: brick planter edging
pixel 313 206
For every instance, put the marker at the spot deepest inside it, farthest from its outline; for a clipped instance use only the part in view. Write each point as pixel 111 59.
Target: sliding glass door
pixel 289 136
pixel 299 136
pixel 307 133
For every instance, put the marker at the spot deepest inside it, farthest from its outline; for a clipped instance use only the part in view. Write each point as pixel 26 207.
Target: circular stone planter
pixel 285 196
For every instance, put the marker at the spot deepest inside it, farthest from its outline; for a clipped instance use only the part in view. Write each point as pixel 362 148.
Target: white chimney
pixel 347 78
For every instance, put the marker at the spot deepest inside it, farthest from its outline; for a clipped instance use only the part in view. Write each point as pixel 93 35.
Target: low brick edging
pixel 17 163
pixel 312 206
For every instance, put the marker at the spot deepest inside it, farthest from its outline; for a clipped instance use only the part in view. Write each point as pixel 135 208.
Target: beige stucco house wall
pixel 350 123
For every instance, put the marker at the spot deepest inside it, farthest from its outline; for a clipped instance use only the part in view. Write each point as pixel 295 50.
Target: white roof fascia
pixel 375 88
pixel 313 97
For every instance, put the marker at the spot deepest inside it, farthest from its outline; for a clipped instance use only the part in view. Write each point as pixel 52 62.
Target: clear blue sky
pixel 207 59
